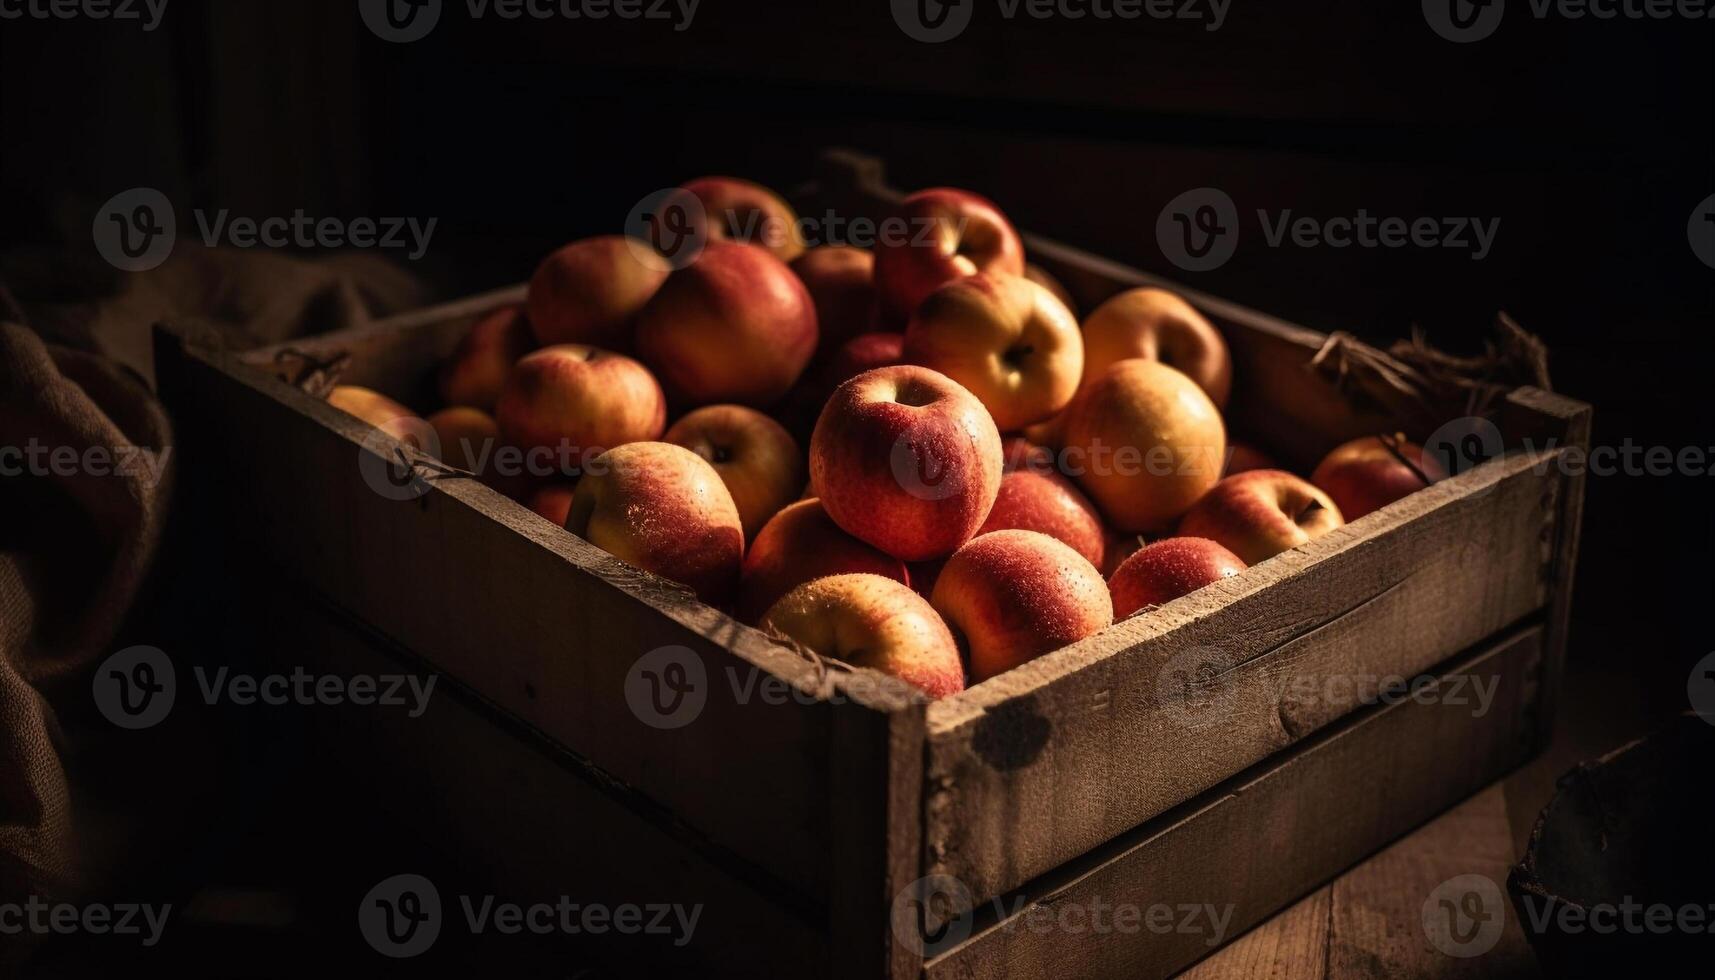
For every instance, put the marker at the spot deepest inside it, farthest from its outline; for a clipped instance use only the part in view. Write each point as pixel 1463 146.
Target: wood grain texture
pixel 1267 837
pixel 538 621
pixel 1282 649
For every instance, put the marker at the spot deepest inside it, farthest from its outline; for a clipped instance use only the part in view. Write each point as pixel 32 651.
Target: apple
pixel 1367 474
pixel 1259 514
pixel 757 458
pixel 1242 458
pixel 1015 595
pixel 1168 569
pixel 841 283
pixel 553 502
pixel 1155 324
pixel 743 211
pixel 907 460
pixel 874 622
pixel 380 411
pixel 590 291
pixel 865 352
pixel 1005 338
pixel 1119 548
pixel 1035 497
pixel 665 510
pixel 942 234
pixel 467 437
pixel 1042 277
pixel 577 402
pixel 797 545
pixel 1144 442
pixel 476 371
pixel 734 326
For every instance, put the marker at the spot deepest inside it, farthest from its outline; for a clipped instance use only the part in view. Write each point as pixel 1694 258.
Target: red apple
pixel 734 326
pixel 1259 514
pixel 799 544
pixel 743 211
pixel 907 460
pixel 1242 459
pixel 865 352
pixel 382 412
pixel 553 502
pixel 1168 569
pixel 1015 595
pixel 1144 442
pixel 841 282
pixel 1005 338
pixel 1036 497
pixel 476 371
pixel 663 509
pixel 1155 324
pixel 1367 474
pixel 757 458
pixel 874 622
pixel 940 235
pixel 590 291
pixel 577 402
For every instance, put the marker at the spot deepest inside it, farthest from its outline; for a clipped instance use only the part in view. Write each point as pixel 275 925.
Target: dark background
pixel 1591 140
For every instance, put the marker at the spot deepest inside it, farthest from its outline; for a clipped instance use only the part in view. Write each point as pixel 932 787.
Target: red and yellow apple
pixel 1036 497
pixel 874 622
pixel 734 326
pixel 1015 595
pixel 380 411
pixel 841 283
pixel 665 510
pixel 590 291
pixel 1158 325
pixel 797 545
pixel 757 458
pixel 907 460
pixel 1367 474
pixel 1168 569
pixel 1259 514
pixel 578 402
pixel 941 234
pixel 865 352
pixel 740 210
pixel 1144 442
pixel 1242 459
pixel 476 371
pixel 1042 277
pixel 1006 339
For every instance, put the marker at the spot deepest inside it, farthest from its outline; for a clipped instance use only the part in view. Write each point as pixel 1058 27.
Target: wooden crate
pixel 1085 775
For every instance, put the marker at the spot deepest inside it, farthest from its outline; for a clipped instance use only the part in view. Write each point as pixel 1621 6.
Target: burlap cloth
pixel 75 547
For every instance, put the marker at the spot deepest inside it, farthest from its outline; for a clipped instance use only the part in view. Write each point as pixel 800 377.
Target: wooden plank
pixel 1292 945
pixel 528 820
pixel 538 621
pixel 1294 643
pixel 1267 837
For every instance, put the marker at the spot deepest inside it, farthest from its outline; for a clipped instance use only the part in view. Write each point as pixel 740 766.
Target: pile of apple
pixel 976 458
